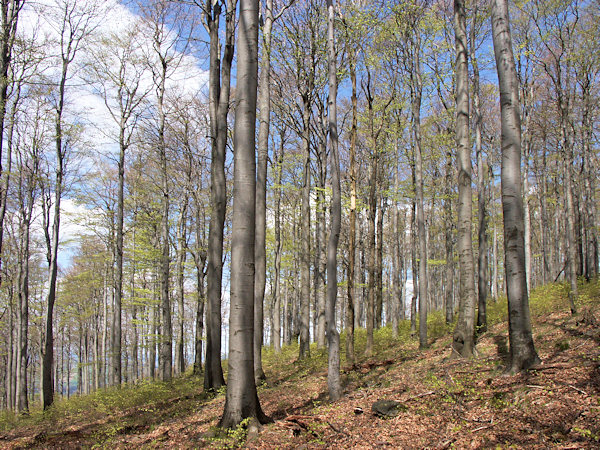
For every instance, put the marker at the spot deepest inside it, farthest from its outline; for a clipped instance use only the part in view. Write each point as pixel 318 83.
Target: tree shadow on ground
pixel 502 348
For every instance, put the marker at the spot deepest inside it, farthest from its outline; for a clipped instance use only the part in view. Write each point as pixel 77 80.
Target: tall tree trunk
pixel 304 350
pixel 416 91
pixel 200 260
pixel 181 258
pixel 379 264
pixel 522 350
pixel 320 238
pixel 219 89
pixel 242 400
pixel 333 338
pixel 482 266
pixel 166 336
pixel 23 316
pixel 278 248
pixel 464 334
pixel 116 322
pixel 48 358
pixel 448 241
pixel 260 257
pixel 350 313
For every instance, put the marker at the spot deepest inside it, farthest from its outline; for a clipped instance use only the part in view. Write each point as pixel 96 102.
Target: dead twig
pixel 424 394
pixel 336 430
pixel 578 390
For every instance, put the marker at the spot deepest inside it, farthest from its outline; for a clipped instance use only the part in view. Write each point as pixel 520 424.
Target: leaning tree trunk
pixel 463 343
pixel 522 350
pixel 241 399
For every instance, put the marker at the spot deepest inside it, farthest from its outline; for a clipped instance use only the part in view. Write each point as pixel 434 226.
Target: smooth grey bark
pixel 260 257
pixel 463 341
pixel 379 261
pixel 219 90
pixel 242 399
pixel 333 337
pixel 522 350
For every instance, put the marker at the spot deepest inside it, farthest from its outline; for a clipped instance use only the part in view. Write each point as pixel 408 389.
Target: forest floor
pixel 444 403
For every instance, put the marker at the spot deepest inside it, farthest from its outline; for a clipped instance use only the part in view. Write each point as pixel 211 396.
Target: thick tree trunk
pixel 464 334
pixel 241 399
pixel 522 350
pixel 333 338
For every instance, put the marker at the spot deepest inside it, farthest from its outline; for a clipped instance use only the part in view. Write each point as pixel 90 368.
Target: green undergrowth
pixel 155 401
pixel 143 397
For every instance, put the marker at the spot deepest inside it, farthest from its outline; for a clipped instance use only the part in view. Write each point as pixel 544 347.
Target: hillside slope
pixel 444 403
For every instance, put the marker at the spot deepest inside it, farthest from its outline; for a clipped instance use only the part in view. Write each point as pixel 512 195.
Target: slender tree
pixel 463 343
pixel 218 98
pixel 522 349
pixel 74 24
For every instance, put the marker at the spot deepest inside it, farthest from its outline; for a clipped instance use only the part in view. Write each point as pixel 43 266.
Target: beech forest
pixel 203 189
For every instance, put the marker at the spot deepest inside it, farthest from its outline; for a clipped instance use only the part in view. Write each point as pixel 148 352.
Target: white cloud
pixel 100 130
